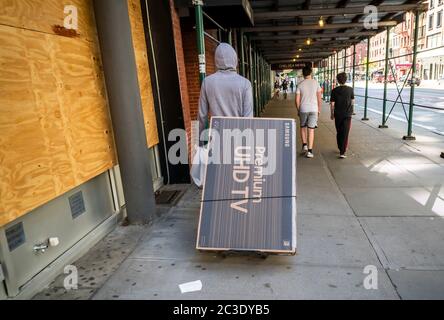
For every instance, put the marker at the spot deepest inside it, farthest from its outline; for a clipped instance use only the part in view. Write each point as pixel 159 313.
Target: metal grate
pixel 15 236
pixel 77 204
pixel 167 196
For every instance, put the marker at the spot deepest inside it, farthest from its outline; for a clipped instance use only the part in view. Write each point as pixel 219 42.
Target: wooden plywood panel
pixel 43 15
pixel 143 72
pixel 54 121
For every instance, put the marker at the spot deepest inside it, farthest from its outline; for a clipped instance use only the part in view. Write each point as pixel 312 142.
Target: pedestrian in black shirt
pixel 342 102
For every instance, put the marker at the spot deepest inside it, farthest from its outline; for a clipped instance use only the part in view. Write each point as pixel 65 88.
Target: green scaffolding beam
pixel 367 67
pixel 384 103
pixel 198 4
pixel 409 135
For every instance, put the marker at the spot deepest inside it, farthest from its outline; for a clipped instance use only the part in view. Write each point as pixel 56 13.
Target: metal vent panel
pixel 77 204
pixel 15 236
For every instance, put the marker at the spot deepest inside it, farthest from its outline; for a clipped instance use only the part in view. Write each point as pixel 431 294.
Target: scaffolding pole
pixel 198 4
pixel 409 135
pixel 330 72
pixel 337 65
pixel 354 63
pixel 253 77
pixel 242 53
pixel 230 37
pixel 327 78
pixel 343 59
pixel 367 67
pixel 384 103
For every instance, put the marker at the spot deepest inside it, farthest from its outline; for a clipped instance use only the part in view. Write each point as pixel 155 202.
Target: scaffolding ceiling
pixel 282 27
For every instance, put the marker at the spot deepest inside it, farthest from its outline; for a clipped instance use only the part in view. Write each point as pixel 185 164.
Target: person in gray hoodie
pixel 225 93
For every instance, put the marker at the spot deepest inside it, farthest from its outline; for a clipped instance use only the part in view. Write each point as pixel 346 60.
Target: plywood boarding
pixel 43 15
pixel 54 120
pixel 143 72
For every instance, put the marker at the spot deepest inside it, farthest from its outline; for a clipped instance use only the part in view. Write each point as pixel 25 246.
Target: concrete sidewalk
pixel 382 206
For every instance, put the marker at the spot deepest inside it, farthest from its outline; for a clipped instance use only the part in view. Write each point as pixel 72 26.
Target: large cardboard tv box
pixel 249 195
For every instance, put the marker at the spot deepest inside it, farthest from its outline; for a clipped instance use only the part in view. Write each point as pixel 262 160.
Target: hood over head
pixel 226 57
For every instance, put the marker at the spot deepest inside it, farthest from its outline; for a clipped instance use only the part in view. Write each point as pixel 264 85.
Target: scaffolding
pixel 331 49
pixel 330 70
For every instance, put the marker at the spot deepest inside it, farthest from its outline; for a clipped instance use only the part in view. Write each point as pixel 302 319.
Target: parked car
pixel 402 78
pixel 379 78
pixel 416 81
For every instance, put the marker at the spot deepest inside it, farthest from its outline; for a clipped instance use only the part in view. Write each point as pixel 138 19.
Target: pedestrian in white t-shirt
pixel 308 103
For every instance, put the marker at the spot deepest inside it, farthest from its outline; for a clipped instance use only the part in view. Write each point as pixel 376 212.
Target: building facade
pixel 74 101
pixel 431 59
pixel 377 52
pixel 401 47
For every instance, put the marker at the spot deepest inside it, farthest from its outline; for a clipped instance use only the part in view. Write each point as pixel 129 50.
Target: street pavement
pixel 377 213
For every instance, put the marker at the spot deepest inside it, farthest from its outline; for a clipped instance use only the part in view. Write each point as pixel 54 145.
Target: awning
pixel 403 65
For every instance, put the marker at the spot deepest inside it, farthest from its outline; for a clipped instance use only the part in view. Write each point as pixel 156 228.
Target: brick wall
pixel 192 66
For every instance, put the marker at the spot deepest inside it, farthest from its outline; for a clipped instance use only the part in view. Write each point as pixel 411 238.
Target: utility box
pixel 249 196
pixel 36 240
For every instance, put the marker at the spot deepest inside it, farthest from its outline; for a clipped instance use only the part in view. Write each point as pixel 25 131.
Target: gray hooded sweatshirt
pixel 225 93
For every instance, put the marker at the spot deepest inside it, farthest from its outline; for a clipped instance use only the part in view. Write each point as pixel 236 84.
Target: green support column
pixel 331 74
pixel 249 57
pixel 262 83
pixel 261 86
pixel 254 79
pixel 409 135
pixel 324 78
pixel 259 81
pixel 337 65
pixel 327 77
pixel 230 37
pixel 345 59
pixel 333 70
pixel 354 63
pixel 198 4
pixel 330 87
pixel 242 50
pixel 367 67
pixel 384 102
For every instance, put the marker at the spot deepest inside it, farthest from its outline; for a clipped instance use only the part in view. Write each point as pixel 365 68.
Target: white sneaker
pixel 304 149
pixel 342 156
pixel 309 154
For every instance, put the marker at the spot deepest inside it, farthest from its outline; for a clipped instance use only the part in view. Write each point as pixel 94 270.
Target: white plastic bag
pixel 199 165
